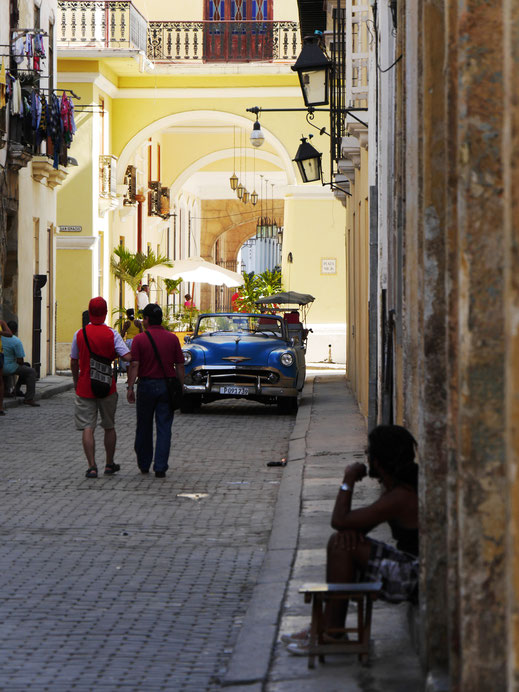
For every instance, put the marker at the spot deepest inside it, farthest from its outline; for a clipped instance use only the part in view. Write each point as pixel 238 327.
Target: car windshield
pixel 260 325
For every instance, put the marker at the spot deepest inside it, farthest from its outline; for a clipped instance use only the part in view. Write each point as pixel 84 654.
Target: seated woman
pixel 352 556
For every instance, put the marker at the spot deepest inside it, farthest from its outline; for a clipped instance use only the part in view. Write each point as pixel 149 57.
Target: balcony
pixel 226 41
pixel 101 25
pixel 107 184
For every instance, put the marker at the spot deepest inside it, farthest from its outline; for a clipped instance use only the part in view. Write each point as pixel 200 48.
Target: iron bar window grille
pixel 337 85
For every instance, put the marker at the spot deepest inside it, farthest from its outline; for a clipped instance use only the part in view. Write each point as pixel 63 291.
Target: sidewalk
pixel 45 388
pixel 329 434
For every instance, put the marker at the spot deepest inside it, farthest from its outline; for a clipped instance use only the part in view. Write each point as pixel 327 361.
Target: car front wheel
pixel 189 403
pixel 287 404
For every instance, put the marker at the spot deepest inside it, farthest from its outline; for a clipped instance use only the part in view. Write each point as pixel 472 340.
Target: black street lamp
pixel 313 68
pixel 308 161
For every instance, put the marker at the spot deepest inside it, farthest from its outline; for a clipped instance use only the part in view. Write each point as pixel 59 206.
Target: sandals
pixel 110 469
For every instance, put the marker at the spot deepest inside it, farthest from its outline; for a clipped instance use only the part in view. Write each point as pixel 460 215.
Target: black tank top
pixel 406 539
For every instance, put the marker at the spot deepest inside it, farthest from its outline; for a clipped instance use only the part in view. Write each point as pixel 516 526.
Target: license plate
pixel 232 389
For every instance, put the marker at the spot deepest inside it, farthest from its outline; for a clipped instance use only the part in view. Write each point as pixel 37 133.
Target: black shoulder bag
pixel 100 372
pixel 172 383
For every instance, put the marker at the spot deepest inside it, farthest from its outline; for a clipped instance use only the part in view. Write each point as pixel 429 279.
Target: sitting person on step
pixel 14 364
pixel 354 557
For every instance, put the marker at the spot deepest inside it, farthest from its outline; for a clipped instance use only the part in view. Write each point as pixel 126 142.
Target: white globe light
pixel 256 136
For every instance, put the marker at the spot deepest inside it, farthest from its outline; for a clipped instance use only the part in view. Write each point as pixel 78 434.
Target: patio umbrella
pixel 197 269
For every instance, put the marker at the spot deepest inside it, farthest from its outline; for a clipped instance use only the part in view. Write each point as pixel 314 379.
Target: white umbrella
pixel 199 270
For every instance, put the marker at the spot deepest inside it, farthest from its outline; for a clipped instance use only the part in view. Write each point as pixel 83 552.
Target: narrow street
pixel 132 582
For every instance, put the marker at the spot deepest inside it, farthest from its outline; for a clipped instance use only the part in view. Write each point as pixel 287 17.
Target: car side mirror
pixel 187 339
pixel 292 341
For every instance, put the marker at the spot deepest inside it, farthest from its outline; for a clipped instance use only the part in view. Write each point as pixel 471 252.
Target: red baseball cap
pixel 97 309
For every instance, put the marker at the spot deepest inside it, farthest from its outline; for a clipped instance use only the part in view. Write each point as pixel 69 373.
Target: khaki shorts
pixel 85 412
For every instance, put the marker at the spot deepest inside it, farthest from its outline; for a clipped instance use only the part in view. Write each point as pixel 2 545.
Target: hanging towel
pixel 3 84
pixel 16 98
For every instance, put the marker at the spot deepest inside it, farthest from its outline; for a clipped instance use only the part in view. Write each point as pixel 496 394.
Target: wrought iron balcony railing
pixel 226 41
pixel 101 24
pixel 117 24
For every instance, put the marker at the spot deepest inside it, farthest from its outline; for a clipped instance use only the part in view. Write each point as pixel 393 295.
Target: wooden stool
pixel 319 594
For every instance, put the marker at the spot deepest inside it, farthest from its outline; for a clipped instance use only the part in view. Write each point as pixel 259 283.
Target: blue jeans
pixel 152 401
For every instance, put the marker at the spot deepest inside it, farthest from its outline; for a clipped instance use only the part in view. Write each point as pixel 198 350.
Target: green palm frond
pixel 130 267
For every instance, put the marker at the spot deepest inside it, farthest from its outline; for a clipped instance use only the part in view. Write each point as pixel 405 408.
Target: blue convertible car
pixel 255 356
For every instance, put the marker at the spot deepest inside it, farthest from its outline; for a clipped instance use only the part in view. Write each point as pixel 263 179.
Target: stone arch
pixel 212 117
pixel 219 155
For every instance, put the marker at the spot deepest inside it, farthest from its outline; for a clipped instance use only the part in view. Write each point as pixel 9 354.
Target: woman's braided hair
pixel 394 449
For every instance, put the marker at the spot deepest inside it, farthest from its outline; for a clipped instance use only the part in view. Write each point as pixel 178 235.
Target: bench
pixel 363 593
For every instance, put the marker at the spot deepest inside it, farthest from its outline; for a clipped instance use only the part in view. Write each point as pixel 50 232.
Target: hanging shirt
pixel 28 46
pixel 54 127
pixel 39 46
pixel 35 110
pixel 17 50
pixel 42 129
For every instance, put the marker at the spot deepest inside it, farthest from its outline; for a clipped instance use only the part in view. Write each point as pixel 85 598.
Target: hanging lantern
pixel 313 68
pixel 233 181
pixel 254 198
pixel 239 191
pixel 308 161
pixel 245 197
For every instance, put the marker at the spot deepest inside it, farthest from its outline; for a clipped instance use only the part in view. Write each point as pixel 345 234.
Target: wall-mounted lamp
pixel 290 258
pixel 313 69
pixel 308 161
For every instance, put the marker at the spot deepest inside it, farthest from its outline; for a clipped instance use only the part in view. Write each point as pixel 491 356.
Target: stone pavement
pixel 329 434
pixel 131 582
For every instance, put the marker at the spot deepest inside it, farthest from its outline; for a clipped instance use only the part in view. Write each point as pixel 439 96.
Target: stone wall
pixel 455 265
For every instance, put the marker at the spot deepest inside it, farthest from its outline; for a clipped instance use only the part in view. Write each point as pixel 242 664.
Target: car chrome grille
pixel 242 376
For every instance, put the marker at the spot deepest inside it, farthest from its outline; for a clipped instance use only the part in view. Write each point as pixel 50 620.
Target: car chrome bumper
pixel 254 390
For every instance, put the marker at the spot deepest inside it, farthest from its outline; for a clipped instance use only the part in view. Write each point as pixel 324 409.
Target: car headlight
pixel 188 357
pixel 287 359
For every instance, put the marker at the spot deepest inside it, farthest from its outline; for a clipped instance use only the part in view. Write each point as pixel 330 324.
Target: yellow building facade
pixel 29 184
pixel 168 87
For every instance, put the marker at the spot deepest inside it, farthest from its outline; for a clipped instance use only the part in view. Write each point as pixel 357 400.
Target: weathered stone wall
pixel 511 252
pixel 457 181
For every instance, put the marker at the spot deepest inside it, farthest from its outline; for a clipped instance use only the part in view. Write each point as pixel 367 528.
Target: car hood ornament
pixel 235 359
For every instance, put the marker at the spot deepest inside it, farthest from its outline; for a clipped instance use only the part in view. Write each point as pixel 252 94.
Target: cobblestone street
pixel 122 582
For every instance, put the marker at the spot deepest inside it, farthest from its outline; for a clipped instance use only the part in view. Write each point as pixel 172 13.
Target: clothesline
pixel 24 32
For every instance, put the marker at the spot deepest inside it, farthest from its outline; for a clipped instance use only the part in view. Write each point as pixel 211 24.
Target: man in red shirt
pixel 152 394
pixel 104 341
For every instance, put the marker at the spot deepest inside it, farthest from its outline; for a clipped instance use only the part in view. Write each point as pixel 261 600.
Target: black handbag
pixel 101 373
pixel 173 385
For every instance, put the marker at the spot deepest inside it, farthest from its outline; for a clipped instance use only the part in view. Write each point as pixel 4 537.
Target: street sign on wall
pixel 328 265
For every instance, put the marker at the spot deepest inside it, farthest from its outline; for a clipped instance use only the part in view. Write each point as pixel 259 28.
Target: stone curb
pixel 250 660
pixel 44 391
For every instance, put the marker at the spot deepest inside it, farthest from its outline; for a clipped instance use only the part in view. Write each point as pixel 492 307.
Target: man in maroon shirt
pixel 152 394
